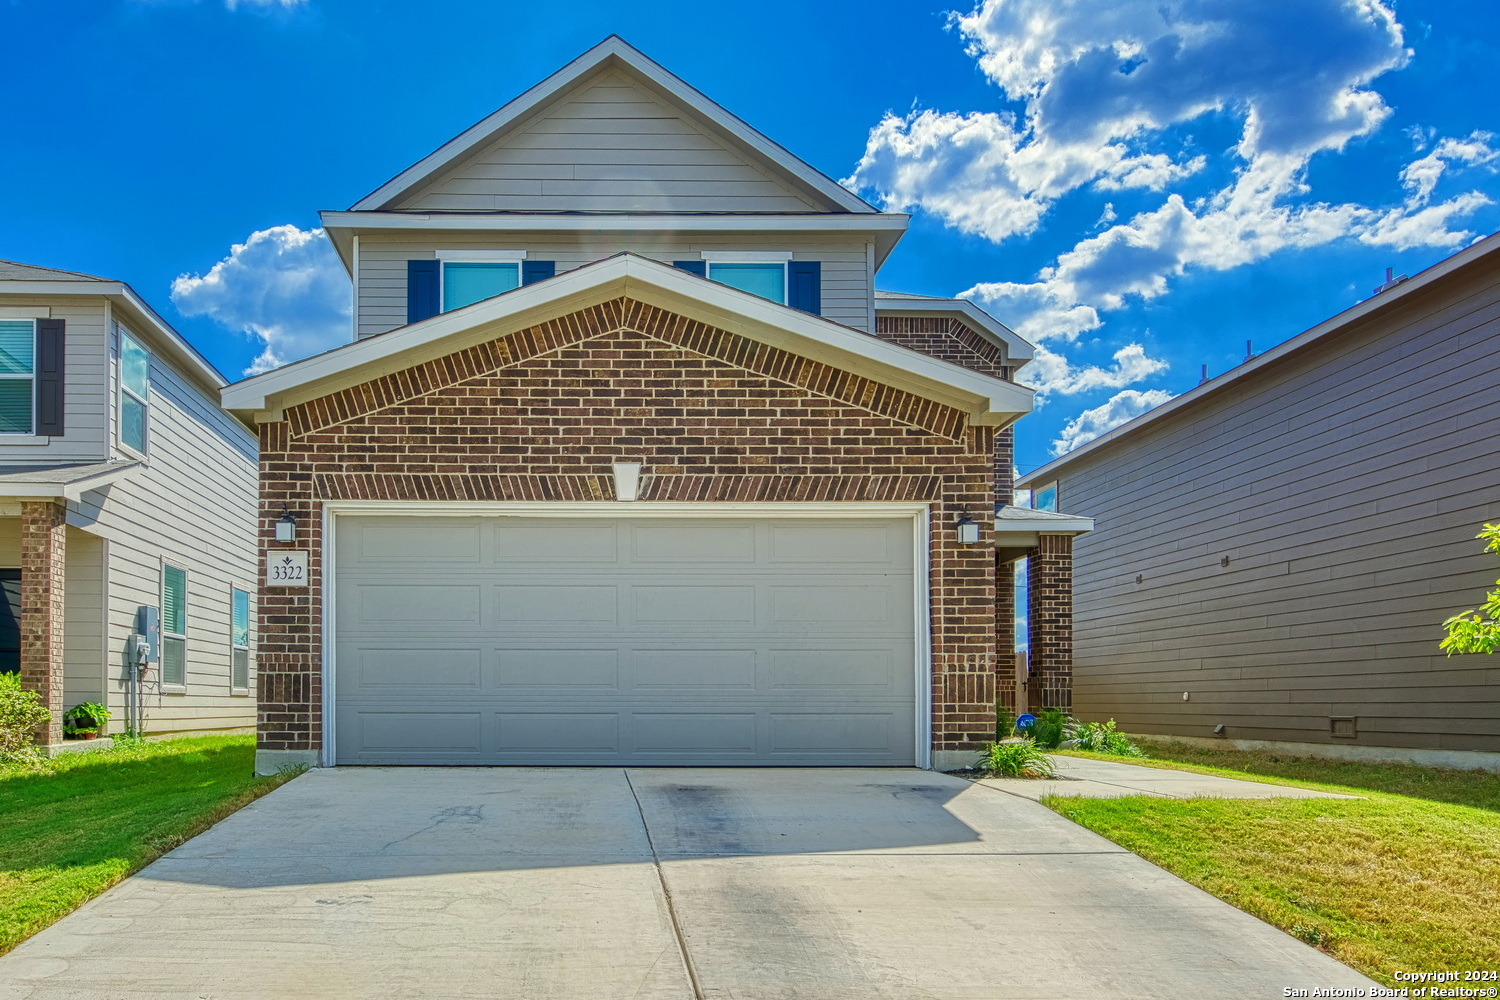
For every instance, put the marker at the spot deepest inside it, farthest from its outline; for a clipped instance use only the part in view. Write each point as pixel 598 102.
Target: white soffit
pixel 613 51
pixel 988 400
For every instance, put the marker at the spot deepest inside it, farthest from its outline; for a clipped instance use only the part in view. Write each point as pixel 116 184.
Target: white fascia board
pixel 1017 347
pixel 590 62
pixel 1354 314
pixel 121 294
pixel 1056 524
pixel 986 399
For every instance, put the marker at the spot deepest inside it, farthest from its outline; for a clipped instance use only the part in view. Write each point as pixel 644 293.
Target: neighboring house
pixel 1277 549
pixel 123 485
pixel 629 462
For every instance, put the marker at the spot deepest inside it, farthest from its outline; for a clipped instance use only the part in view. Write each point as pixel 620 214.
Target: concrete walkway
pixel 1104 779
pixel 751 884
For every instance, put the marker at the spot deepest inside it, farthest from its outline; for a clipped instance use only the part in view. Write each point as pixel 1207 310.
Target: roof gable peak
pixel 777 167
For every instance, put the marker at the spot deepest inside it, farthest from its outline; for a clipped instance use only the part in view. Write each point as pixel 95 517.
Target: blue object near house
pixel 1025 722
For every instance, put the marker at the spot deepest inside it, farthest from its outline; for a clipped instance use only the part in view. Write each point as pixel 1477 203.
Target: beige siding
pixel 609 146
pixel 194 507
pixel 1345 486
pixel 83 622
pixel 86 364
pixel 382 264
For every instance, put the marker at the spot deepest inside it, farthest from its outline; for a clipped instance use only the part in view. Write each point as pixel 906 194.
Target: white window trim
pixel 121 334
pixel 30 433
pixel 480 256
pixel 161 597
pixel 1056 497
pixel 746 258
pixel 471 259
pixel 235 588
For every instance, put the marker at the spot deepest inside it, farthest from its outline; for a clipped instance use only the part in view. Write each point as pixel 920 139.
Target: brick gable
pixel 713 416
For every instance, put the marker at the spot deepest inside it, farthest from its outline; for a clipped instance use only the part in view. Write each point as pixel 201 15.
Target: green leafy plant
pixel 21 712
pixel 1477 631
pixel 1005 722
pixel 85 717
pixel 1015 759
pixel 1051 728
pixel 1102 737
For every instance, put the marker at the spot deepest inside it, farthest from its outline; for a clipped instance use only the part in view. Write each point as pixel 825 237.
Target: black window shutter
pixel 804 279
pixel 698 267
pixel 537 270
pixel 423 280
pixel 50 349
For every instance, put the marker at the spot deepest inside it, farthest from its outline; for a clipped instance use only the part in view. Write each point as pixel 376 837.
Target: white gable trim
pixel 616 49
pixel 987 400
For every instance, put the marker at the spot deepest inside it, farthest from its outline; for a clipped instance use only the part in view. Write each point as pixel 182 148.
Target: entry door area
pixel 648 640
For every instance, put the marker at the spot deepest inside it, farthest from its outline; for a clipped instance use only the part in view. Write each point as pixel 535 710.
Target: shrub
pixel 1022 759
pixel 86 717
pixel 1051 728
pixel 21 712
pixel 1102 737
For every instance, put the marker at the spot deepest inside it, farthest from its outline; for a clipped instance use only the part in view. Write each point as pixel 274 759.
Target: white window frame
pixel 168 686
pixel 446 257
pixel 30 432
pixel 782 257
pixel 235 588
pixel 1056 497
pixel 123 334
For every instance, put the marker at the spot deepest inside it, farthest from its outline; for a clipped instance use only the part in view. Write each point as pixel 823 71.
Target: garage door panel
pixel 558 668
pixel 646 641
pixel 441 541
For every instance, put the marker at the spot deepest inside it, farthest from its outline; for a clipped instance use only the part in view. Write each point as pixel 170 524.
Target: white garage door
pixel 521 640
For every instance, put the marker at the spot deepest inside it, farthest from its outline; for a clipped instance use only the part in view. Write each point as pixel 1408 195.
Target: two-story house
pixel 123 486
pixel 630 462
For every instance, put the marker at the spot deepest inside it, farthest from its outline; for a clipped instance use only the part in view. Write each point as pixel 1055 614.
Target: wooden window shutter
pixel 423 289
pixel 698 267
pixel 804 280
pixel 50 351
pixel 537 270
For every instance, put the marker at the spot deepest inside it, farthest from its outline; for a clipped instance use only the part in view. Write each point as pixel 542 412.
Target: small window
pixel 239 640
pixel 465 283
pixel 1046 498
pixel 17 375
pixel 768 280
pixel 135 392
pixel 173 626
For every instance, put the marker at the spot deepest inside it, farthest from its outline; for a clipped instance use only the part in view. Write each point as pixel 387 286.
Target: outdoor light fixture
pixel 968 531
pixel 286 528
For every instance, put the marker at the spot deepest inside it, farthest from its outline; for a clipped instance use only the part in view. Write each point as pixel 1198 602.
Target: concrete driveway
pixel 748 884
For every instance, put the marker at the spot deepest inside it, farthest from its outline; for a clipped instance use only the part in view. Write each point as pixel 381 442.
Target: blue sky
pixel 1140 185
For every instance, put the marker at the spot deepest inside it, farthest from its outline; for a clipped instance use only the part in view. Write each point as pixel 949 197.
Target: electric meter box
pixel 148 624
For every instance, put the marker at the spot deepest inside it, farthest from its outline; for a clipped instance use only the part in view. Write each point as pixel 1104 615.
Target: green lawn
pixel 1406 878
pixel 85 821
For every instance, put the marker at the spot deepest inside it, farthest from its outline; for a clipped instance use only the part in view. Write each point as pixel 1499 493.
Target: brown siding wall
pixel 1287 550
pixel 542 414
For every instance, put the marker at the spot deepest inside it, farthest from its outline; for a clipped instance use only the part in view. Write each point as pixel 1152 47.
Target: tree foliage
pixel 1477 631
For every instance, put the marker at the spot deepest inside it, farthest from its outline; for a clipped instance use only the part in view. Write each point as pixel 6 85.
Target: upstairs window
pixel 766 280
pixel 17 375
pixel 467 282
pixel 1045 498
pixel 135 392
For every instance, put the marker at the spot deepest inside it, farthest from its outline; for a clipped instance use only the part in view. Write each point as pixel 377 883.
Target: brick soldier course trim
pixel 43 587
pixel 544 413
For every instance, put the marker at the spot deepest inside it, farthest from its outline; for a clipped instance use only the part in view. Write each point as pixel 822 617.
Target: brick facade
pixel 542 414
pixel 1050 592
pixel 43 580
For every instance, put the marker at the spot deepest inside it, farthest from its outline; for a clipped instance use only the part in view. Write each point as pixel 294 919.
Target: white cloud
pixel 1122 407
pixel 1420 176
pixel 1051 373
pixel 284 286
pixel 283 4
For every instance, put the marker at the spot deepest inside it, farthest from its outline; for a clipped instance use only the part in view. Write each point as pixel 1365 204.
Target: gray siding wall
pixel 193 506
pixel 1345 486
pixel 847 283
pixel 86 392
pixel 610 146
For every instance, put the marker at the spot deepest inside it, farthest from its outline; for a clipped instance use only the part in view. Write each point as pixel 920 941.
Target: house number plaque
pixel 286 568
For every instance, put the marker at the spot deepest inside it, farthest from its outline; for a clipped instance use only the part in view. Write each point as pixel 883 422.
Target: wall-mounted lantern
pixel 286 527
pixel 968 531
